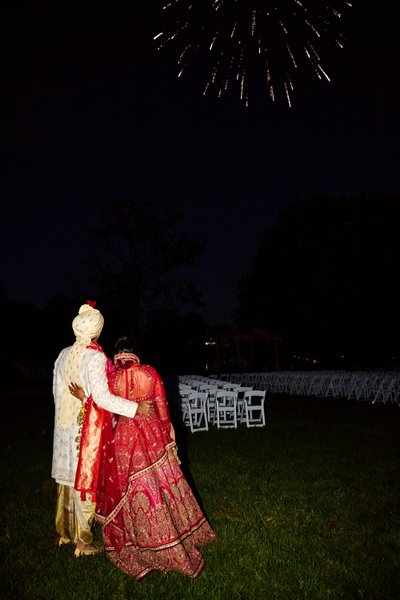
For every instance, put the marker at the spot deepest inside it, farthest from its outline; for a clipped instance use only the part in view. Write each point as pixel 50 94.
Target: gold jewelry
pixel 81 414
pixel 175 453
pixel 80 419
pixel 127 356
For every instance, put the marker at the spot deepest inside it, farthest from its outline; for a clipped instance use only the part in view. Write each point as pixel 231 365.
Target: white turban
pixel 88 324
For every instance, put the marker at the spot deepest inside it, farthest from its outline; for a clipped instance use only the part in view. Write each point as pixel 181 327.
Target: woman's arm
pixel 161 406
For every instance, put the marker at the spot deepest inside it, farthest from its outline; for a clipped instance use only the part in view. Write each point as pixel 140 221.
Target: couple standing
pixel 114 460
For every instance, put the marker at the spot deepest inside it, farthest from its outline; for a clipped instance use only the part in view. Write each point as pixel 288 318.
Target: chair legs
pixel 254 416
pixel 224 410
pixel 197 409
pixel 225 416
pixel 198 420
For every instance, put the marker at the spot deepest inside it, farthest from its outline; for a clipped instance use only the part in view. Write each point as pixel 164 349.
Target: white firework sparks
pixel 250 45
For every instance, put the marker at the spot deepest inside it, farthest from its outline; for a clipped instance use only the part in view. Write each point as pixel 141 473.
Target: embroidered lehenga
pixel 149 515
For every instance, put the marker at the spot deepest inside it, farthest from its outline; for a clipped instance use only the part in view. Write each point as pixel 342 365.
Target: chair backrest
pixel 242 390
pixel 255 397
pixel 226 396
pixel 205 387
pixel 197 399
pixel 185 393
pixel 230 386
pixel 184 386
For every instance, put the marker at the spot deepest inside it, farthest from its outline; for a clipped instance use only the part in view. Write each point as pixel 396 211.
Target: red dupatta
pixel 90 445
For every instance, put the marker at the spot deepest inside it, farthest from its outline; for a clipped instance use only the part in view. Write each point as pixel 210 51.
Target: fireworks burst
pixel 251 45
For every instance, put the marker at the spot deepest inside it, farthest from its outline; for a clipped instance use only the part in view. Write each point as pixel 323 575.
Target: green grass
pixel 307 507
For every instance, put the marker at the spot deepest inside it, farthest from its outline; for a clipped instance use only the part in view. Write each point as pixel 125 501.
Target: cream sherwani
pixel 74 516
pixel 93 379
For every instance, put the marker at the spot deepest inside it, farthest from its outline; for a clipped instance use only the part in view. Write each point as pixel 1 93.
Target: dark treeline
pixel 324 280
pixel 33 337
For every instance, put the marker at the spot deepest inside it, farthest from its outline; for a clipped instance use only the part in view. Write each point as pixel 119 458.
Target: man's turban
pixel 88 323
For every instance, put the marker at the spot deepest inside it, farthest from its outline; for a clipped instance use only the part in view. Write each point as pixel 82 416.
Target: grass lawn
pixel 307 507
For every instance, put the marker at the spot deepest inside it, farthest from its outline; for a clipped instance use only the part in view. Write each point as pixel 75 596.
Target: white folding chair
pixel 241 390
pixel 334 386
pixel 197 411
pixel 358 388
pixel 230 387
pixel 206 387
pixel 211 404
pixel 254 408
pixel 225 409
pixel 184 395
pixel 386 389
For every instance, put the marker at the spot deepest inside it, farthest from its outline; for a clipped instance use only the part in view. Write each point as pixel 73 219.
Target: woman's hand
pixel 77 391
pixel 145 408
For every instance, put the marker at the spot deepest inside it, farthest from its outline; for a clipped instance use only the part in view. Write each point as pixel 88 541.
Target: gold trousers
pixel 74 517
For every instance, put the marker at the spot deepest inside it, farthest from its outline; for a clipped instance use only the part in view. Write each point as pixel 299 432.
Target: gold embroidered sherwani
pixel 74 516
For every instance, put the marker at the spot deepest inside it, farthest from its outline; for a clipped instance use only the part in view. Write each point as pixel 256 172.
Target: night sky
pixel 91 111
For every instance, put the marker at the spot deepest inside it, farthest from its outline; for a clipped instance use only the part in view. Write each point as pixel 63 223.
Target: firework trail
pixel 251 45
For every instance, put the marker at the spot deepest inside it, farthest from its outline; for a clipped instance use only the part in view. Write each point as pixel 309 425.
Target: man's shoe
pixel 62 541
pixel 88 550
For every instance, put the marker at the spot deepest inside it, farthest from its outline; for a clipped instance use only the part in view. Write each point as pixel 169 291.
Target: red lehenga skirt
pixel 149 515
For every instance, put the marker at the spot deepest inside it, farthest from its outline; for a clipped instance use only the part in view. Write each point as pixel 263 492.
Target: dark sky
pixel 91 111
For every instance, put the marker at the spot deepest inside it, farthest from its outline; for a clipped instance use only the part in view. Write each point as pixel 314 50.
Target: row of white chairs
pixel 203 403
pixel 374 386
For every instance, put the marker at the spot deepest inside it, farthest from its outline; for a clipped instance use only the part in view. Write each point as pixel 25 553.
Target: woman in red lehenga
pixel 149 515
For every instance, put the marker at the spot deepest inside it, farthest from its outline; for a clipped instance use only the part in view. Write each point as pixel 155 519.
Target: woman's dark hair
pixel 126 344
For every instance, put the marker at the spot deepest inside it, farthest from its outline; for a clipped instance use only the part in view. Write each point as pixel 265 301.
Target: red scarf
pixel 89 450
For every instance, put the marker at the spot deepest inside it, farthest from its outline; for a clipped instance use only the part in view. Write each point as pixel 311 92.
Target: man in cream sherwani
pixel 83 364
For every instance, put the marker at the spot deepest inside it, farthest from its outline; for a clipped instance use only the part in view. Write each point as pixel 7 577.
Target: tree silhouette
pixel 141 262
pixel 325 278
